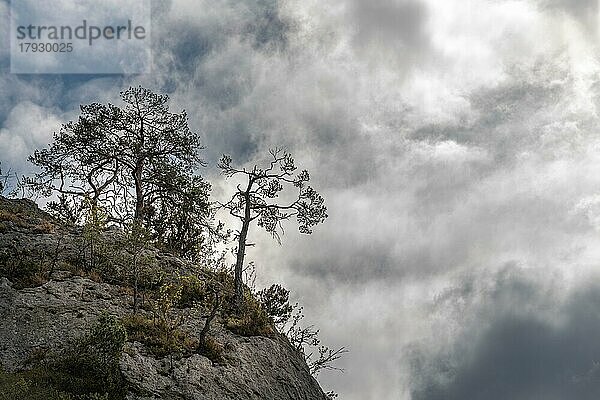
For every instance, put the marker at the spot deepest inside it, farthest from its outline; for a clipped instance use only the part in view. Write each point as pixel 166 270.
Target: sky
pixel 456 144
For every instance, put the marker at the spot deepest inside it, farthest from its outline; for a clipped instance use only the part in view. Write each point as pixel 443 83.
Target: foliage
pixel 123 257
pixel 95 247
pixel 136 262
pixel 26 386
pixel 168 296
pixel 160 339
pixel 182 225
pixel 86 370
pixel 18 214
pixel 275 301
pixel 305 339
pixel 211 349
pixel 22 268
pixel 257 200
pixel 213 289
pixel 92 364
pixel 252 321
pixel 266 184
pixel 7 182
pixel 161 333
pixel 193 291
pixel 27 269
pixel 135 161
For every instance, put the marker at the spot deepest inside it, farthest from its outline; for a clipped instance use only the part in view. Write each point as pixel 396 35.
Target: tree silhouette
pixel 136 163
pixel 123 157
pixel 7 180
pixel 258 199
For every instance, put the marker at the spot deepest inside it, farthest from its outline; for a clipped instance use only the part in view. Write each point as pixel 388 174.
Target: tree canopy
pixel 259 200
pixel 135 161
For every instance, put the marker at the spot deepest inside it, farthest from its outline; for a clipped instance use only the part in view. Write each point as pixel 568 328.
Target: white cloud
pixel 460 142
pixel 27 127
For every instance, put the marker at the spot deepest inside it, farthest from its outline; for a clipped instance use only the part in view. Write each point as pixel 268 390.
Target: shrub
pixel 92 364
pixel 86 370
pixel 9 216
pixel 305 339
pixel 160 339
pixel 253 321
pixel 22 268
pixel 43 226
pixel 25 386
pixel 211 349
pixel 192 291
pixel 275 302
pixel 19 214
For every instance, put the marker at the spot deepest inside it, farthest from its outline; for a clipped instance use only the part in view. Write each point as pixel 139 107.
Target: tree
pixel 182 222
pixel 6 180
pixel 305 339
pixel 124 157
pixel 257 200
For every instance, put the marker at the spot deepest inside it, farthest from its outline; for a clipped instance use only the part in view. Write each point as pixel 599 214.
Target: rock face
pixel 258 368
pixel 50 315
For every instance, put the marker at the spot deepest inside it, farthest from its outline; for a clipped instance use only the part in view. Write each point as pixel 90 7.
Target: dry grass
pixel 159 339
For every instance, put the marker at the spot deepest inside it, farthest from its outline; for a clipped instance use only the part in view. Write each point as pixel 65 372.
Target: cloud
pixel 25 129
pixel 522 338
pixel 390 28
pixel 584 11
pixel 446 137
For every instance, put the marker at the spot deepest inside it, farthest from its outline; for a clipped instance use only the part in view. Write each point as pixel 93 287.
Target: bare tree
pixel 7 180
pixel 258 199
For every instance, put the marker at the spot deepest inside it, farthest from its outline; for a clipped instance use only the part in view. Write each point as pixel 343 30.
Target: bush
pixel 22 269
pixel 21 214
pixel 211 349
pixel 275 302
pixel 86 370
pixel 26 386
pixel 193 291
pixel 253 321
pixel 92 364
pixel 31 385
pixel 160 339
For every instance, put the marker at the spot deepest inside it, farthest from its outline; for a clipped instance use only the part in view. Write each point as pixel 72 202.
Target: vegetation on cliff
pixel 127 208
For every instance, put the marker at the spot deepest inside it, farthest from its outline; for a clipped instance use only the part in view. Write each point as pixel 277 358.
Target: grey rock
pixel 53 315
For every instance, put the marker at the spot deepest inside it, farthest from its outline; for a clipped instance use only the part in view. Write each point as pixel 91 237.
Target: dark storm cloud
pixel 184 43
pixel 210 63
pixel 519 341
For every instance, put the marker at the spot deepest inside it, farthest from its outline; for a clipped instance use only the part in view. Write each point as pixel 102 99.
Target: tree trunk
pixel 209 318
pixel 135 284
pixel 139 192
pixel 241 251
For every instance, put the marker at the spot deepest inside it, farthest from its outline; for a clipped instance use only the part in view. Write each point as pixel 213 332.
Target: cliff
pixel 44 310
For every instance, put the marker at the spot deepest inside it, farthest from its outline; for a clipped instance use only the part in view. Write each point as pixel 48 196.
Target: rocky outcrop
pixel 51 315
